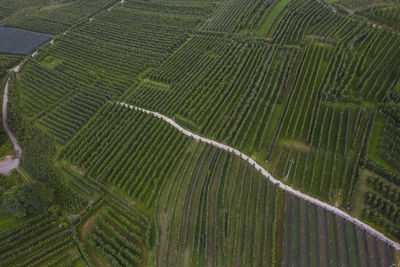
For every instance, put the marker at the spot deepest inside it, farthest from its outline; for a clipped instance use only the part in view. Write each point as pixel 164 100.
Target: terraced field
pixel 229 201
pixel 39 242
pixel 266 133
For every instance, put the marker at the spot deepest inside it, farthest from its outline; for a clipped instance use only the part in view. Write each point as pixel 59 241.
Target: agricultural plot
pixel 313 236
pixel 38 150
pixel 238 16
pixel 272 14
pixel 47 16
pixel 129 174
pixel 301 18
pixel 307 90
pixel 98 61
pixel 8 61
pixel 16 41
pixel 129 233
pixel 213 89
pixel 381 205
pixel 39 242
pixel 363 4
pixel 388 146
pixel 282 105
pixel 389 15
pixel 223 212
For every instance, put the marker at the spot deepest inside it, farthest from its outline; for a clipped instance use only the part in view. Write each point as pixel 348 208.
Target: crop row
pixel 7 62
pixel 222 100
pixel 132 132
pixel 211 207
pixel 205 178
pixel 217 212
pixel 388 147
pixel 315 236
pixel 382 204
pixel 235 16
pixel 36 243
pixel 119 236
pixel 299 19
pixel 97 60
pixel 38 151
pixel 49 17
pixel 389 15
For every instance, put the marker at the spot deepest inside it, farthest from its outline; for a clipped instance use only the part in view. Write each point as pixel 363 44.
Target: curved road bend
pixel 9 164
pixel 285 187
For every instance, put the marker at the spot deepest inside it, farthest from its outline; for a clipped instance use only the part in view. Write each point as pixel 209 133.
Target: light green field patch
pixel 373 144
pixel 8 221
pixel 55 6
pixel 245 28
pixel 157 84
pixel 397 87
pixel 186 123
pixel 377 130
pixel 295 144
pixel 345 105
pixel 50 62
pixel 271 17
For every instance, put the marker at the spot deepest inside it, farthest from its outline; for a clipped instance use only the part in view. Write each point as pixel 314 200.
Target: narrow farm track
pixel 17 148
pixel 12 163
pixel 9 164
pixel 285 187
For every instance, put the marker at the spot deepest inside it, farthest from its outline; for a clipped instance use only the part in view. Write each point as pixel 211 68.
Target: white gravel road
pixel 11 162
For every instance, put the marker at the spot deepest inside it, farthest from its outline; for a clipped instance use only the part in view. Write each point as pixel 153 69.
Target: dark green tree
pixel 25 199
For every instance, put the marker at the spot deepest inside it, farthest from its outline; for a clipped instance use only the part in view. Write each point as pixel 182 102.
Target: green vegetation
pixel 308 90
pixel 38 242
pixel 7 62
pixel 275 11
pixel 128 231
pixel 238 16
pixel 327 232
pixel 195 191
pixel 24 199
pixel 48 16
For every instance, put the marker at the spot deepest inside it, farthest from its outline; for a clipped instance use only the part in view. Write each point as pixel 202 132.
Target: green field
pixel 275 11
pixel 308 90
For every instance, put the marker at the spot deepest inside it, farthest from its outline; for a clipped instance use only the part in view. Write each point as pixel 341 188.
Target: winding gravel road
pixel 285 187
pixel 11 163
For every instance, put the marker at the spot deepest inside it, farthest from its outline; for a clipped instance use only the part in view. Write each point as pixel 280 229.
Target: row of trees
pixel 26 199
pixel 388 146
pixel 37 241
pixel 38 150
pixel 119 236
pixel 122 147
pixel 387 190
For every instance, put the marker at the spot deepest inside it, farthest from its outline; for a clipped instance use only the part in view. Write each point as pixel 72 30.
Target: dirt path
pixel 265 173
pixel 85 228
pixel 12 162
